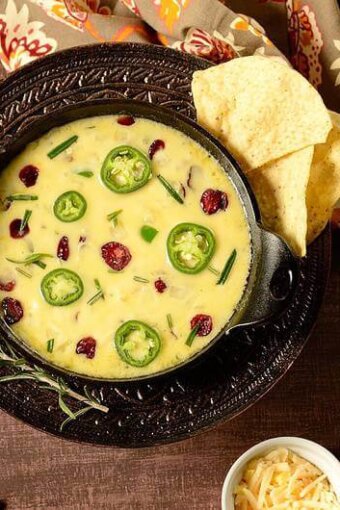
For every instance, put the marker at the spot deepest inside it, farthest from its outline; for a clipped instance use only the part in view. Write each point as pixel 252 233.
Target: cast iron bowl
pixel 273 269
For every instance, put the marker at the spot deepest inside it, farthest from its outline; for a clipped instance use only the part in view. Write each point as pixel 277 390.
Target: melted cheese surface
pixel 125 299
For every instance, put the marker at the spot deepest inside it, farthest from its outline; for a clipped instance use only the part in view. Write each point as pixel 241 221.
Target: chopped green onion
pixel 98 295
pixel 25 273
pixel 113 216
pixel 31 259
pixel 214 271
pixel 148 233
pixel 62 147
pixel 86 173
pixel 50 345
pixel 170 189
pixel 25 219
pixel 192 335
pixel 20 196
pixel 227 268
pixel 140 279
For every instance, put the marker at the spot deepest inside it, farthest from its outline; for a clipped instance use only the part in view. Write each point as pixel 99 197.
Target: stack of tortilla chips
pixel 285 140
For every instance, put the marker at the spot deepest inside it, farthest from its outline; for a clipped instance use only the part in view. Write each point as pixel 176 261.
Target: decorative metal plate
pixel 231 377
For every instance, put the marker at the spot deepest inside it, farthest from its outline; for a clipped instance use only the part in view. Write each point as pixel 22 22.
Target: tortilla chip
pixel 260 109
pixel 280 190
pixel 323 189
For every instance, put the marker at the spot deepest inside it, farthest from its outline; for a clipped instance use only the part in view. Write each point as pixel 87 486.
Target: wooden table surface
pixel 38 471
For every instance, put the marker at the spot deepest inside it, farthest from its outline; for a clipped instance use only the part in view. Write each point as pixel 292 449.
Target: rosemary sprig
pixel 62 147
pixel 227 268
pixel 213 270
pixel 140 279
pixel 86 173
pixel 35 258
pixel 98 295
pixel 113 216
pixel 25 219
pixel 50 345
pixel 20 196
pixel 24 371
pixel 74 417
pixel 192 335
pixel 23 272
pixel 170 189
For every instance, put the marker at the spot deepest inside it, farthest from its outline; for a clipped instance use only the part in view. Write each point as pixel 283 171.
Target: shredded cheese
pixel 282 480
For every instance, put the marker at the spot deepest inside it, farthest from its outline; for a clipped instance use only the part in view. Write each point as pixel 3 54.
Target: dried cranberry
pixel 8 286
pixel 63 250
pixel 160 285
pixel 29 175
pixel 87 346
pixel 156 146
pixel 126 120
pixel 212 200
pixel 116 255
pixel 14 229
pixel 12 309
pixel 204 322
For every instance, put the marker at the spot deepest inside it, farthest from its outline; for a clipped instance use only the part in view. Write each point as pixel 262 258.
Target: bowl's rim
pixel 293 443
pixel 242 189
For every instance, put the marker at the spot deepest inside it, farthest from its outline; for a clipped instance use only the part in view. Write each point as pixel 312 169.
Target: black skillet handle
pixel 276 281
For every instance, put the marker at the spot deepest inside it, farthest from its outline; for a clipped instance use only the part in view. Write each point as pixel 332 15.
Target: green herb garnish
pixel 170 189
pixel 25 219
pixel 50 345
pixel 113 216
pixel 192 335
pixel 24 273
pixel 20 196
pixel 31 259
pixel 213 270
pixel 62 147
pixel 169 320
pixel 86 173
pixel 148 233
pixel 23 370
pixel 227 268
pixel 40 264
pixel 98 295
pixel 171 324
pixel 140 279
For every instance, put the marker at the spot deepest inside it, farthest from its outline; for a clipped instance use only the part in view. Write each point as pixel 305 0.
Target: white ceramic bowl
pixel 313 452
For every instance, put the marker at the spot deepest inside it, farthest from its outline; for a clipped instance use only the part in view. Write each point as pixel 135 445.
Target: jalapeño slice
pixel 125 169
pixel 137 343
pixel 61 287
pixel 70 206
pixel 190 247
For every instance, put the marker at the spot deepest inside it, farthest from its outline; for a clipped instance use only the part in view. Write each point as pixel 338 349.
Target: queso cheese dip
pixel 124 247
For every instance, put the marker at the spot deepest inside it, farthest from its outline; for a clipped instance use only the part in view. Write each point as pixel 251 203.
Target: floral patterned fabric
pixel 305 32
